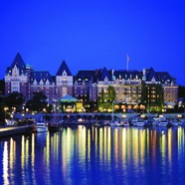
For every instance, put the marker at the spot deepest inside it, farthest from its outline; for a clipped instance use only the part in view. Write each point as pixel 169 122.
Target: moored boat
pixel 97 124
pixel 41 126
pixel 163 122
pixel 155 121
pixel 175 122
pixel 115 123
pixel 181 122
pixel 125 123
pixel 133 121
pixel 106 122
pixel 140 122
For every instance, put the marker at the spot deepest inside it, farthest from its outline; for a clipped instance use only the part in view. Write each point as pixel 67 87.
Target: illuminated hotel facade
pixel 132 87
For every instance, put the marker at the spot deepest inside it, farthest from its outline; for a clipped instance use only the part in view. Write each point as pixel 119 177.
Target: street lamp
pixel 5 109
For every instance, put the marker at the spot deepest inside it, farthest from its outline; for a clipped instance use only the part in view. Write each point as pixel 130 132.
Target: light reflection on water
pixel 95 155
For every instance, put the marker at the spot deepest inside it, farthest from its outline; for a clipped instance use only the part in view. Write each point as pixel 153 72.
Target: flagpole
pixel 128 59
pixel 127 65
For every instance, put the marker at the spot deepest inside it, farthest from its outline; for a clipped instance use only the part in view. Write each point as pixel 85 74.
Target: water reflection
pixel 85 155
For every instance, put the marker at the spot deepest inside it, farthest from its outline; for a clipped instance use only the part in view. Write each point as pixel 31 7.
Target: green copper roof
pixel 68 98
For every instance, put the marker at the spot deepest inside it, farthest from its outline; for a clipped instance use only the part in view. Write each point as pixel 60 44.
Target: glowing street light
pixel 5 109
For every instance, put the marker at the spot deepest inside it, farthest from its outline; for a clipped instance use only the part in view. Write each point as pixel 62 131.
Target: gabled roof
pixel 64 67
pixel 18 61
pixel 165 77
pixel 127 74
pixel 105 74
pixel 85 74
pixel 41 75
pixel 152 75
pixel 94 75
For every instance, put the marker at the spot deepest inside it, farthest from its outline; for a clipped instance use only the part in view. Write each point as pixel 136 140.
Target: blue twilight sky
pixel 92 34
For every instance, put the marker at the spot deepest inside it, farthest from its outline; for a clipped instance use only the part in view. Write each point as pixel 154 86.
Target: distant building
pixel 24 79
pixel 63 81
pixel 84 86
pixel 168 84
pixel 17 78
pixel 134 89
pixel 42 81
pixel 128 86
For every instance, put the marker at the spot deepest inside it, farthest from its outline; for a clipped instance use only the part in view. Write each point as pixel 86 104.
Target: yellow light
pixel 5 163
pixel 124 116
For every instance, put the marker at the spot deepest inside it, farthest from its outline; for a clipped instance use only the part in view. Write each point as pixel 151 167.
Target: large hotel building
pixel 132 87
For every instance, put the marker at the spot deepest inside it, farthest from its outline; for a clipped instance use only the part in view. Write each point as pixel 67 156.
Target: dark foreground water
pixel 92 155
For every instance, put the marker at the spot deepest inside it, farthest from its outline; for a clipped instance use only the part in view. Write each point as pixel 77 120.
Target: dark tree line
pixel 2 87
pixel 15 102
pixel 38 103
pixel 181 92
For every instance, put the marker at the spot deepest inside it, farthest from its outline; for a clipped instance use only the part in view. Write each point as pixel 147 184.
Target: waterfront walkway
pixel 87 118
pixel 8 131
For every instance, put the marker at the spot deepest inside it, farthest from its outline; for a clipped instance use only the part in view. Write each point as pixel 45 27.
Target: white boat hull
pixel 140 124
pixel 163 123
pixel 41 127
pixel 175 123
pixel 125 123
pixel 106 122
pixel 115 123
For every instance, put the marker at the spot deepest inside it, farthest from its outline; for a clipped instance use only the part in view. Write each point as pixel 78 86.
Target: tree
pixel 38 103
pixel 111 94
pixel 101 97
pixel 181 92
pixel 105 99
pixel 16 100
pixel 2 106
pixel 152 96
pixel 144 93
pixel 2 87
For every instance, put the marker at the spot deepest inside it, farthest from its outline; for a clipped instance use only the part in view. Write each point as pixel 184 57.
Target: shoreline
pixel 71 119
pixel 14 130
pixel 93 115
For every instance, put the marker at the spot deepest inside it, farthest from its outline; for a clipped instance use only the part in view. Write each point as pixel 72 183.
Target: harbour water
pixel 80 155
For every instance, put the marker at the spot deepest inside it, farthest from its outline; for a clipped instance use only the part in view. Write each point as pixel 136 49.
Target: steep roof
pixel 85 74
pixel 105 74
pixel 127 74
pixel 165 77
pixel 18 61
pixel 151 74
pixel 63 67
pixel 41 75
